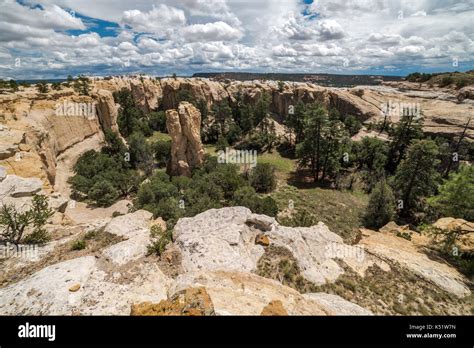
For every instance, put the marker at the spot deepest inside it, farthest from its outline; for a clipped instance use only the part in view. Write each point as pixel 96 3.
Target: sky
pixel 55 38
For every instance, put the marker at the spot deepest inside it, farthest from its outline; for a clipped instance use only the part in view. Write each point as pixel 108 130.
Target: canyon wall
pixel 34 137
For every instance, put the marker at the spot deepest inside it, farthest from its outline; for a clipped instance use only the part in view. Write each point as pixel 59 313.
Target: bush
pixel 103 193
pixel 267 206
pixel 247 197
pixel 301 219
pixel 461 83
pixel 110 164
pixel 167 208
pixel 381 207
pixel 157 121
pixel 222 143
pixel 141 153
pixel 352 124
pixel 81 85
pixel 16 225
pixel 262 178
pixel 456 195
pixel 78 245
pixel 42 87
pixel 56 86
pixel 446 81
pixel 162 150
pixel 159 240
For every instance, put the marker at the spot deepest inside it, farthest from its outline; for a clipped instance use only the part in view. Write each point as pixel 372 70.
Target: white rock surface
pixel 135 227
pixel 337 305
pixel 3 173
pixel 237 293
pixel 399 250
pixel 130 225
pixel 15 186
pixel 101 292
pixel 224 239
pixel 128 250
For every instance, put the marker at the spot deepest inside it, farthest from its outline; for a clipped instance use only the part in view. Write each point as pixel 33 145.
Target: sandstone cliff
pixel 36 142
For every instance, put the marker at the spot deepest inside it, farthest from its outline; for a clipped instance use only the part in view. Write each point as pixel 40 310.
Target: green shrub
pixel 159 240
pixel 456 195
pixel 78 245
pixel 302 218
pixel 103 193
pixel 262 178
pixel 381 207
pixel 162 150
pixel 42 87
pixel 446 81
pixel 26 226
pixel 157 121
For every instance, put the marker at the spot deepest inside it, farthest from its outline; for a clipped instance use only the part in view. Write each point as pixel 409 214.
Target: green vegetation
pixel 317 174
pixel 159 239
pixel 340 210
pixel 81 85
pixel 213 186
pixel 42 87
pixel 9 84
pixel 381 207
pixel 416 178
pixel 456 195
pixel 25 226
pixel 459 79
pixel 323 143
pixel 262 178
pixel 79 245
pixel 130 119
pixel 104 176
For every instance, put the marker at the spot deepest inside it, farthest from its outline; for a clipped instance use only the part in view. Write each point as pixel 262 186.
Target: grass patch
pixel 282 165
pixel 158 136
pixel 339 210
pixel 210 149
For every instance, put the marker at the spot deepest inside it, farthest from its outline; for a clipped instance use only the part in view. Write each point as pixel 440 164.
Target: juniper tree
pixel 416 178
pixel 456 195
pixel 381 207
pixel 310 149
pixel 27 225
pixel 405 132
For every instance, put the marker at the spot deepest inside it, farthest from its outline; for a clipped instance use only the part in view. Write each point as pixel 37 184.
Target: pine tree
pixel 381 207
pixel 416 177
pixel 406 131
pixel 456 195
pixel 295 120
pixel 310 149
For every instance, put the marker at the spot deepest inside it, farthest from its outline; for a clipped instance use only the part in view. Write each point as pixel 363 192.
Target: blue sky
pixel 54 38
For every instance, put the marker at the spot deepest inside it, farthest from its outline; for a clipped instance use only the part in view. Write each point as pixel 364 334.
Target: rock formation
pixel 230 244
pixel 216 255
pixel 35 142
pixel 184 127
pixel 217 274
